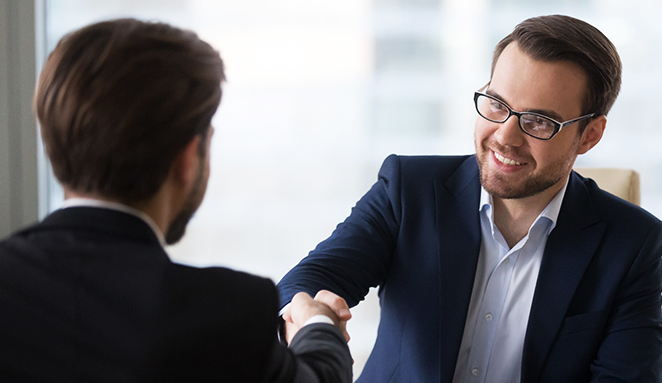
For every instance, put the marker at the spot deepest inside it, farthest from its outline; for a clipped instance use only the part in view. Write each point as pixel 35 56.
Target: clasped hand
pixel 303 307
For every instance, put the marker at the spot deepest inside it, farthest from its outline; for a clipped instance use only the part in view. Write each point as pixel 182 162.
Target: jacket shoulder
pixel 427 167
pixel 239 289
pixel 614 209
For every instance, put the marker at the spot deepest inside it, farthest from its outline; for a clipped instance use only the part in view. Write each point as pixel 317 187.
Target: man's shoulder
pixel 611 209
pixel 429 167
pixel 442 161
pixel 219 290
pixel 189 319
pixel 87 224
pixel 232 282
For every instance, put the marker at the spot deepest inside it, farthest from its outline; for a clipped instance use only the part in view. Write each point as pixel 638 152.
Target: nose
pixel 509 133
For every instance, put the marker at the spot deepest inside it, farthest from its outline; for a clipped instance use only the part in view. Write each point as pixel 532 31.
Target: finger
pixel 342 326
pixel 344 314
pixel 290 331
pixel 303 307
pixel 301 296
pixel 337 304
pixel 287 315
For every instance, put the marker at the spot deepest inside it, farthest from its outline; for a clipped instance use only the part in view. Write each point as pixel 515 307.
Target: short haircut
pixel 563 38
pixel 119 100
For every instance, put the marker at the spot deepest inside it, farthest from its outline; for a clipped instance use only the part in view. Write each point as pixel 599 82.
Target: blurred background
pixel 319 93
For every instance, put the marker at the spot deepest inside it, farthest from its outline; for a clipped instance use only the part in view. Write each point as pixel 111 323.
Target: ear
pixel 592 134
pixel 185 166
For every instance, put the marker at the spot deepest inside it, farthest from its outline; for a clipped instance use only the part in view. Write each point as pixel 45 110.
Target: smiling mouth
pixel 505 160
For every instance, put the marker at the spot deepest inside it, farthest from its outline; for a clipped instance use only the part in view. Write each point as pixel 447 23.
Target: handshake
pixel 304 309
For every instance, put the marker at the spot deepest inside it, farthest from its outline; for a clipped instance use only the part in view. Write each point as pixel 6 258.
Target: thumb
pixel 287 315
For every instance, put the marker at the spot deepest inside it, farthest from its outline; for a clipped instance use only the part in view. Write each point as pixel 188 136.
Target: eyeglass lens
pixel 497 111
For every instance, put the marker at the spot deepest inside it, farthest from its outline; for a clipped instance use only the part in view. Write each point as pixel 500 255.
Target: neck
pixel 513 217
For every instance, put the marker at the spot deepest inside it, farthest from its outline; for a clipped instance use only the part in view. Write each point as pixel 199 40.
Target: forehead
pixel 527 84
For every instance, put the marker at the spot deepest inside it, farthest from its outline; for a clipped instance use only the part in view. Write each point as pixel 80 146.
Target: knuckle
pixel 322 294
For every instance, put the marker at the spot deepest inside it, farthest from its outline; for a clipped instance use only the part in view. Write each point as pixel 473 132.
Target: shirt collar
pixel 550 212
pixel 96 203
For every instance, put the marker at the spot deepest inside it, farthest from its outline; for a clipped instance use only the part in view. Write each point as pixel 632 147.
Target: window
pixel 319 93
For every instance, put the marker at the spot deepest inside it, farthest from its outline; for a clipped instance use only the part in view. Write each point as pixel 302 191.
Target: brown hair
pixel 564 38
pixel 118 100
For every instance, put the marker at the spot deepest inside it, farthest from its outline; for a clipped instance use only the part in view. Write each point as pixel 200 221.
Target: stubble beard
pixel 177 228
pixel 498 185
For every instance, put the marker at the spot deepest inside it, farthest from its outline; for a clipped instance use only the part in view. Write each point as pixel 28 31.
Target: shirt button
pixel 488 317
pixel 475 371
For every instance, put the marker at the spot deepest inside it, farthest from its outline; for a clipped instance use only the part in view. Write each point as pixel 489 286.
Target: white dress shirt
pixel 493 338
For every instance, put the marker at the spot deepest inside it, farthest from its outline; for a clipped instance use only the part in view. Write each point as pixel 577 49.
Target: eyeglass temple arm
pixel 576 119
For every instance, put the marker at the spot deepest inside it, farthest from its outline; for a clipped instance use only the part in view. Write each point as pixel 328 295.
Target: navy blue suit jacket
pixel 416 234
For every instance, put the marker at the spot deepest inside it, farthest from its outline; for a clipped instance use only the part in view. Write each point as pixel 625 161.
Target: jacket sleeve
pixel 358 254
pixel 318 354
pixel 631 350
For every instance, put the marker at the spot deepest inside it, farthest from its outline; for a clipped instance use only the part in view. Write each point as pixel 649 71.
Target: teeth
pixel 505 160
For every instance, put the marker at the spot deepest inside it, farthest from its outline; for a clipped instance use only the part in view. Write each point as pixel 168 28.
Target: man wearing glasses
pixel 507 266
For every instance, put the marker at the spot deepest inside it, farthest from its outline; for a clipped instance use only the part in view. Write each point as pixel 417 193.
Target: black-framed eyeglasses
pixel 534 124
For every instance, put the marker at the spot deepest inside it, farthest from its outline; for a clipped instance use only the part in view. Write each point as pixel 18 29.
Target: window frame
pixel 24 172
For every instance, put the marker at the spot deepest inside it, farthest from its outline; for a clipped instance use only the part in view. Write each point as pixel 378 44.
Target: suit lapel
pixel 458 228
pixel 568 252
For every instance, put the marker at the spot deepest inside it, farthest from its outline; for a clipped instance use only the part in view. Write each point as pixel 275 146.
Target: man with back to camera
pixel 507 266
pixel 89 294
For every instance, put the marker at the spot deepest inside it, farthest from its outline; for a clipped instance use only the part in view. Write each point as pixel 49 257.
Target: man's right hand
pixel 339 307
pixel 303 307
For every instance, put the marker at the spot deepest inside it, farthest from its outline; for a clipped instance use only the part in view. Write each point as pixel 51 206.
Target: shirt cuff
pixel 318 319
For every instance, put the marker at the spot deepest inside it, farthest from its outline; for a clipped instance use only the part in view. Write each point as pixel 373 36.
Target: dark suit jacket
pixel 89 295
pixel 416 234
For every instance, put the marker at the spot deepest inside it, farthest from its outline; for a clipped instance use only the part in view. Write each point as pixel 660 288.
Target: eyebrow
pixel 545 112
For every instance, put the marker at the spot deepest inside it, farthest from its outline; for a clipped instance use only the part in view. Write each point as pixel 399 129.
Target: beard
pixel 498 184
pixel 177 228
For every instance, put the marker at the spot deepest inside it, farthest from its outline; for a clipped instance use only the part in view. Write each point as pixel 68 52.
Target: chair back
pixel 622 183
